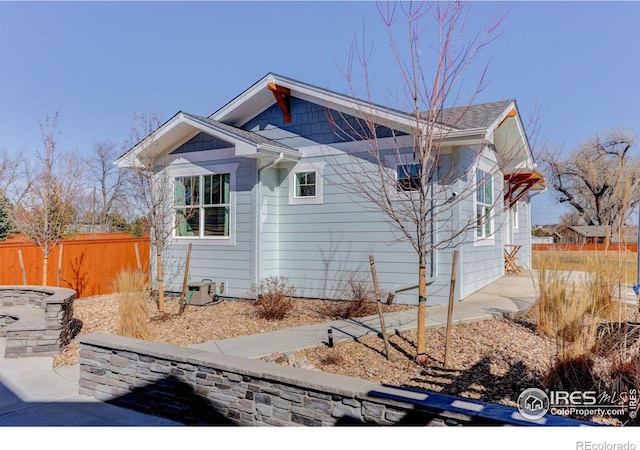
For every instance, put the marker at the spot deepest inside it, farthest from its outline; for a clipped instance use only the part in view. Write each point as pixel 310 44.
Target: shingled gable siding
pixel 202 141
pixel 229 263
pixel 308 126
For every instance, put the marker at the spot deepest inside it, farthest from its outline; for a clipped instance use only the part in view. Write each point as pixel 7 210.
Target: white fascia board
pixel 274 152
pixel 502 117
pixel 466 137
pixel 225 114
pixel 263 98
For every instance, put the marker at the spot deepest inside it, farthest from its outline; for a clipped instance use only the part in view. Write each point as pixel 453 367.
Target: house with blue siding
pixel 259 190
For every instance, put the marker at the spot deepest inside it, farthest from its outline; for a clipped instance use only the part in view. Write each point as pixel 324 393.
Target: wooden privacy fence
pixel 586 247
pixel 87 263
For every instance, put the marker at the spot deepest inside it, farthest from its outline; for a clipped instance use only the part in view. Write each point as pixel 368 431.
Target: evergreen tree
pixel 6 226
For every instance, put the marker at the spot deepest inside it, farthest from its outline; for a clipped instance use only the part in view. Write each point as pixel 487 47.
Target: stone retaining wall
pixel 192 386
pixel 44 319
pixel 195 387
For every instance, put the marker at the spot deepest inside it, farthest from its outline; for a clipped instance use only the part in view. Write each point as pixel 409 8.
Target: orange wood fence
pixel 586 247
pixel 88 265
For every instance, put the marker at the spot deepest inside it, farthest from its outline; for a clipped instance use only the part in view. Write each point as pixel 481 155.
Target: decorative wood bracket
pixel 283 97
pixel 518 185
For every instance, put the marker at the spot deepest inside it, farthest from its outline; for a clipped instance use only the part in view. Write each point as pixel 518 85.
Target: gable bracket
pixel 283 97
pixel 519 185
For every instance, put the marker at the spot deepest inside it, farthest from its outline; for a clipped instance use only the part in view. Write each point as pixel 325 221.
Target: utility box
pixel 201 293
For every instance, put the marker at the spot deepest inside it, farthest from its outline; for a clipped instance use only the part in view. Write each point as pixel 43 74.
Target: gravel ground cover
pixel 492 360
pixel 225 319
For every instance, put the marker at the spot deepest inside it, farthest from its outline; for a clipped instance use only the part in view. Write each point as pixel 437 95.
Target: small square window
pixel 408 176
pixel 305 184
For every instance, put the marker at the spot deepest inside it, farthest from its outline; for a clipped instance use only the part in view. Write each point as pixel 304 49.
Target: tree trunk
pixel 421 356
pixel 45 267
pixel 160 282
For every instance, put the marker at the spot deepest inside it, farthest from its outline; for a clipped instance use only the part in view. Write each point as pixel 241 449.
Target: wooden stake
pixel 183 297
pixel 382 325
pixel 24 274
pixel 452 288
pixel 60 265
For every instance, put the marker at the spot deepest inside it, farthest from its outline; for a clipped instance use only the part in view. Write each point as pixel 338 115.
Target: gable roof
pixel 258 97
pixel 629 233
pixel 183 126
pixel 497 123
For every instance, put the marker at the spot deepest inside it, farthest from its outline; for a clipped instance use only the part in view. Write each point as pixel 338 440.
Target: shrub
pixel 332 358
pixel 273 298
pixel 361 300
pixel 133 300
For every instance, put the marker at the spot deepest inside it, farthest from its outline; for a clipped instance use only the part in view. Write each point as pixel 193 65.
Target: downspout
pixel 258 218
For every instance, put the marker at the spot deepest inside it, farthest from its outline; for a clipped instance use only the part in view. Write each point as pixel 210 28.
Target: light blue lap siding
pixel 322 247
pixel 229 263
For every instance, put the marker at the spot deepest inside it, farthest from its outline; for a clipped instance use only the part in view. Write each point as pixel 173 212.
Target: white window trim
pixel 484 240
pixel 194 170
pixel 318 168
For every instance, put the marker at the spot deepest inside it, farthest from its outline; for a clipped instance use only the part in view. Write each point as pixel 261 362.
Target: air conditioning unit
pixel 201 293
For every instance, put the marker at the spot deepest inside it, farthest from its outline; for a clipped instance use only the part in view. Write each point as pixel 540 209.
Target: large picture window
pixel 484 201
pixel 202 205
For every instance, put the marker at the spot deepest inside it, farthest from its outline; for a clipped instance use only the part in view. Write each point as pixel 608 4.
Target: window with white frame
pixel 305 184
pixel 408 176
pixel 202 205
pixel 514 216
pixel 484 201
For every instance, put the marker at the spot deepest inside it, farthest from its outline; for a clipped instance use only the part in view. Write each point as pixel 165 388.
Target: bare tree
pixel 45 211
pixel 414 183
pixel 153 194
pixel 600 179
pixel 109 185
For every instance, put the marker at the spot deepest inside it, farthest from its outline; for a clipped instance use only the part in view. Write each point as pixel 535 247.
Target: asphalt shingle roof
pixel 473 116
pixel 248 135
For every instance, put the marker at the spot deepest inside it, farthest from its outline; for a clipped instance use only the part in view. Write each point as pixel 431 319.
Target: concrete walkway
pixel 511 294
pixel 33 393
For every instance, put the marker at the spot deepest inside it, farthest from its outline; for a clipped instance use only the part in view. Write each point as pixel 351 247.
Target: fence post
pixel 138 257
pixel 60 264
pixel 24 274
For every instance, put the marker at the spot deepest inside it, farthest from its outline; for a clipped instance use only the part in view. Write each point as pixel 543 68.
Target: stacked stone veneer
pixel 36 320
pixel 195 387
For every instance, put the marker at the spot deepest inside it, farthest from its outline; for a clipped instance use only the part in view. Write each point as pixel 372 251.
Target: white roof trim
pixel 263 98
pixel 182 127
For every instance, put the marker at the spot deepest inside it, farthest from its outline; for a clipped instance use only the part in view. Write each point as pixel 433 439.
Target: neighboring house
pixel 270 198
pixel 597 234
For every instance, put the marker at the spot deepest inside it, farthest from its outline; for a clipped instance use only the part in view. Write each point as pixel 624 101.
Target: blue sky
pixel 101 62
